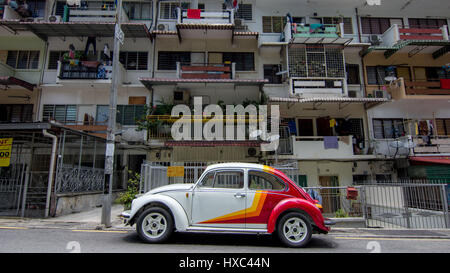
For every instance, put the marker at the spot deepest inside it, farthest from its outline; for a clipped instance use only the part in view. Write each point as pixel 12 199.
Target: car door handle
pixel 239 195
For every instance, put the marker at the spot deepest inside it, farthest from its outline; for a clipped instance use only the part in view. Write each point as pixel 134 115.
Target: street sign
pixel 5 151
pixel 119 34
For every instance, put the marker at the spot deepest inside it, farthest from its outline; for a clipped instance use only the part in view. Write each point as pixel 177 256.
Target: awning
pixel 431 159
pixel 149 82
pixel 368 102
pixel 7 80
pixel 77 29
pixel 439 47
pixel 232 143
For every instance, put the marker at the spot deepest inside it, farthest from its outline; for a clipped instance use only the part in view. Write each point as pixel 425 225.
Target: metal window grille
pixel 168 60
pixel 133 60
pixel 316 61
pixel 273 24
pixel 53 58
pixel 297 61
pixel 23 59
pixel 62 113
pixel 168 10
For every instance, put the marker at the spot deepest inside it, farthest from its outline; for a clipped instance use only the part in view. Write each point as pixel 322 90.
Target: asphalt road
pixel 47 240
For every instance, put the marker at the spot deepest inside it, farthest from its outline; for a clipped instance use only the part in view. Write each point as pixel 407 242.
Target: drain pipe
pixel 52 169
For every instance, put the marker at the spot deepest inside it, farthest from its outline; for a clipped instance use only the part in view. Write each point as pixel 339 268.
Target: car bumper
pixel 126 216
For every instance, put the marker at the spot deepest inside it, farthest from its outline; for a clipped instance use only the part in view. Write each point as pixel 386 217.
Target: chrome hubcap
pixel 294 230
pixel 154 225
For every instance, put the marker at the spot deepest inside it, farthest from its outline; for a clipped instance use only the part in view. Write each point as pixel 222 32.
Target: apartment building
pixel 362 91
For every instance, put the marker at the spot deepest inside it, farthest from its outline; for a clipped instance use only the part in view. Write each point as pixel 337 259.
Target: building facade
pixel 362 89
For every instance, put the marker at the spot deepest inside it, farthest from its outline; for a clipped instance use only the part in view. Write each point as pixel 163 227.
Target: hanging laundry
pixel 228 4
pixel 193 13
pixel 330 142
pixel 332 123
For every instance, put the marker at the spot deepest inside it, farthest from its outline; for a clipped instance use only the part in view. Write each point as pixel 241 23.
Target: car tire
pixel 294 229
pixel 155 225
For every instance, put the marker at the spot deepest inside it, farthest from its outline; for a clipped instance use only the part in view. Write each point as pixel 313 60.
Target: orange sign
pixel 175 171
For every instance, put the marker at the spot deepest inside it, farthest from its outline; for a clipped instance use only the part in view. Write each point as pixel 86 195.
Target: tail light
pixel 318 205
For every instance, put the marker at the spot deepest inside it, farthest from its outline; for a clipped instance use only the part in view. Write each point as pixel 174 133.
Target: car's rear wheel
pixel 294 229
pixel 155 225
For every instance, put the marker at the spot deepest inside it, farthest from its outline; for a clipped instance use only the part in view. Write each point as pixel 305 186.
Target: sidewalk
pixel 82 220
pixel 91 220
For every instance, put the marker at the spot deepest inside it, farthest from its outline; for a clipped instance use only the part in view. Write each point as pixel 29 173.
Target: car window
pixel 207 181
pixel 229 179
pixel 264 181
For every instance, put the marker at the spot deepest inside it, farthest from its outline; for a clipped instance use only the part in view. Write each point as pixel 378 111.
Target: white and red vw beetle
pixel 230 197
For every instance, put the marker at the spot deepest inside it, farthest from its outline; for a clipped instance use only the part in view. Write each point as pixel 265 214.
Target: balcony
pixel 93 15
pixel 401 89
pixel 85 71
pixel 198 17
pixel 411 146
pixel 431 145
pixel 315 33
pixel 316 147
pixel 206 71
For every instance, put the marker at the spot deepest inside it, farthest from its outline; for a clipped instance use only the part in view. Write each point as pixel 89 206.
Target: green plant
pixel 127 197
pixel 340 213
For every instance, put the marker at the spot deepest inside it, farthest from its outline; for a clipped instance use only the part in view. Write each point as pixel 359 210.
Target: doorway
pixel 330 194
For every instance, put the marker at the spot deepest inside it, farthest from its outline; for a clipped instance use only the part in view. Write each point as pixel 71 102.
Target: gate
pixel 23 184
pixel 155 174
pixel 415 206
pixel 12 182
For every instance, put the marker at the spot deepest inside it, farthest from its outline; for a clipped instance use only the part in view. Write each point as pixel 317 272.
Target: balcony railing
pixel 192 16
pixel 401 89
pixel 205 71
pixel 315 33
pixel 396 34
pixel 315 147
pixel 86 70
pixel 431 145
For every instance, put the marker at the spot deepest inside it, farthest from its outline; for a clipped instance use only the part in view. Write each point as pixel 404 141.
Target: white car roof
pixel 235 165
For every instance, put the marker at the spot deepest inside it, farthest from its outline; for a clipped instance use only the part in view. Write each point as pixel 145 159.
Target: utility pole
pixel 110 140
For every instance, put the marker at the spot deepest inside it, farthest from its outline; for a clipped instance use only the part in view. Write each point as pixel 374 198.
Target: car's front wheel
pixel 154 225
pixel 294 229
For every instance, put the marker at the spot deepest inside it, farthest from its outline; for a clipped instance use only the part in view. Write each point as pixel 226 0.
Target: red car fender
pixel 296 203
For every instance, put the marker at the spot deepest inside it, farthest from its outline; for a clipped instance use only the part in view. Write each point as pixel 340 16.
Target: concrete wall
pixel 67 204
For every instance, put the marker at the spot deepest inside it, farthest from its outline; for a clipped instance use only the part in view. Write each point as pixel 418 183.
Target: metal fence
pixel 389 205
pixel 155 174
pixel 400 204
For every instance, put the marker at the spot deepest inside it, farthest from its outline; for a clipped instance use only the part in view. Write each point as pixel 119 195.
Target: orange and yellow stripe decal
pixel 254 210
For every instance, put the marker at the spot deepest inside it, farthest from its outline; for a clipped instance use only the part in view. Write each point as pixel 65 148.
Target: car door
pixel 219 200
pixel 264 192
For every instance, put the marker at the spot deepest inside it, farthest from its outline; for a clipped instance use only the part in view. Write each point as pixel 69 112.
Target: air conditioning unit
pixel 181 97
pixel 163 27
pixel 54 18
pixel 375 39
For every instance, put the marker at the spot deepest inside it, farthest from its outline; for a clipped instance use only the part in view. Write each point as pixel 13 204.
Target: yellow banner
pixel 175 171
pixel 5 151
